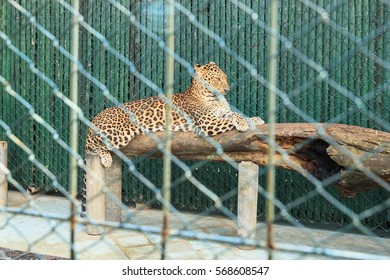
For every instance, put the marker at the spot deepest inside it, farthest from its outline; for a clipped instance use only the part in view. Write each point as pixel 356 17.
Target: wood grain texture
pixel 352 158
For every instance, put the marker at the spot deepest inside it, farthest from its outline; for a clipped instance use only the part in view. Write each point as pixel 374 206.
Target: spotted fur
pixel 202 108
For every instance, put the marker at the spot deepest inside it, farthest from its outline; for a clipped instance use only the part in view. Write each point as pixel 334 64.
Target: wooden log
pixel 364 155
pixel 3 178
pixel 248 177
pixel 95 182
pixel 318 149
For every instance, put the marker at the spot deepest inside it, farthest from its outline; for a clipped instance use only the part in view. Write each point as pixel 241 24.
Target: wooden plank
pixel 95 196
pixel 113 197
pixel 248 183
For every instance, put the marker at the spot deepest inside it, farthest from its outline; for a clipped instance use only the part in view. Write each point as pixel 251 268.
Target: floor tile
pixel 148 252
pixel 133 240
pixel 49 237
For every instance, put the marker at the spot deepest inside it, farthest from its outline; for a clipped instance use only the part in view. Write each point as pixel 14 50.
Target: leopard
pixel 201 108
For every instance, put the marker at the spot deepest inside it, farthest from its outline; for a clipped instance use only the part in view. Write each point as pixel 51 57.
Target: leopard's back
pixel 202 107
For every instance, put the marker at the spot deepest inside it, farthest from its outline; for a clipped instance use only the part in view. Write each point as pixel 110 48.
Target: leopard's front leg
pixel 213 126
pixel 242 124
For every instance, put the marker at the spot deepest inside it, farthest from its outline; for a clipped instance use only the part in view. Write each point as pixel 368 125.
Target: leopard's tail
pixel 83 213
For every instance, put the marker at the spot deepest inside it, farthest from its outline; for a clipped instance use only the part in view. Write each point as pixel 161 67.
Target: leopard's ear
pixel 198 68
pixel 212 63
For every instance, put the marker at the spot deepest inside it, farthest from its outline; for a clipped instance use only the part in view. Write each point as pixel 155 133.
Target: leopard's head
pixel 212 77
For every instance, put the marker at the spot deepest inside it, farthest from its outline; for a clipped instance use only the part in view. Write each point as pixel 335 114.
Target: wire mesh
pixel 332 67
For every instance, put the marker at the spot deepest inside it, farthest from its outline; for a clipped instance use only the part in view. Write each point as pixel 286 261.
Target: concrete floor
pixel 50 237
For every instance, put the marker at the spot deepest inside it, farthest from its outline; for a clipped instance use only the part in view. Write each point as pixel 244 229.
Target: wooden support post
pixel 95 182
pixel 114 185
pixel 3 178
pixel 248 173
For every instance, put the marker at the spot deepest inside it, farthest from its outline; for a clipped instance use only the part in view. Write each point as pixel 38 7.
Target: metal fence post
pixel 74 128
pixel 273 83
pixel 169 83
pixel 248 177
pixel 95 182
pixel 3 178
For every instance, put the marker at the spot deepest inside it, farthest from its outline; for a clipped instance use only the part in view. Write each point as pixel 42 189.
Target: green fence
pixel 335 43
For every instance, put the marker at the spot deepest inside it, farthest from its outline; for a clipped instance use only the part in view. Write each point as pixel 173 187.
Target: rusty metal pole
pixel 169 80
pixel 3 177
pixel 74 121
pixel 273 81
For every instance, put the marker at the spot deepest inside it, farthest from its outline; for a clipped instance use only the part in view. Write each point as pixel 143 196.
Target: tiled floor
pixel 51 237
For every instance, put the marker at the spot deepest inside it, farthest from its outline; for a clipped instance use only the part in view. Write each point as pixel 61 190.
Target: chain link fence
pixel 332 67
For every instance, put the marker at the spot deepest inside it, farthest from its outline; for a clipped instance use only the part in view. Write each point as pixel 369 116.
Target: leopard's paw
pixel 256 121
pixel 240 124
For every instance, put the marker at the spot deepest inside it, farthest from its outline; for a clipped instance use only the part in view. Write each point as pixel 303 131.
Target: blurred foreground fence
pixel 333 67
